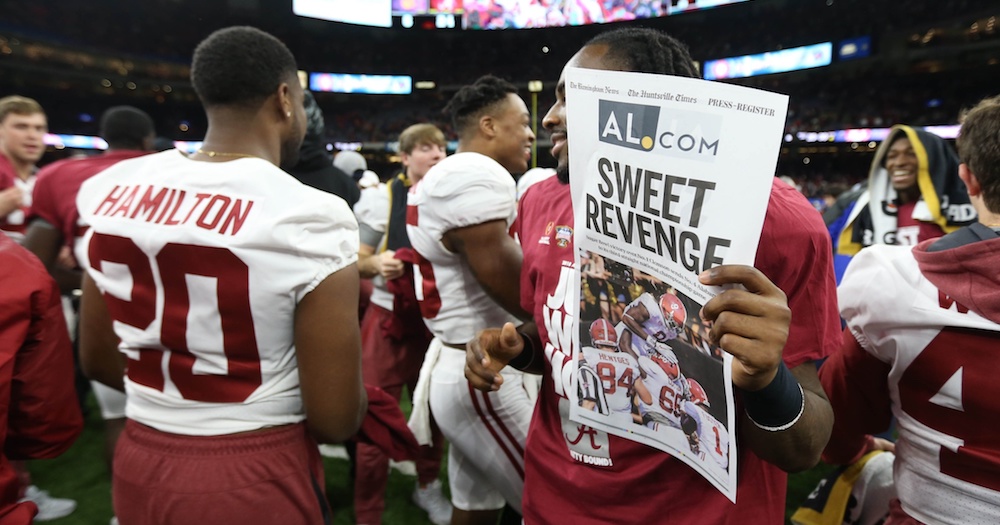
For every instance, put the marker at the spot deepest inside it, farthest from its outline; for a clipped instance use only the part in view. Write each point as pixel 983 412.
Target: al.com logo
pixel 679 133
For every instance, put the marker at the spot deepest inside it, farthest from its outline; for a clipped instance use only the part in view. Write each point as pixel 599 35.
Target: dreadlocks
pixel 646 50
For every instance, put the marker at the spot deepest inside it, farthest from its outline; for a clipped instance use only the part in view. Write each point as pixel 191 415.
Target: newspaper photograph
pixel 670 177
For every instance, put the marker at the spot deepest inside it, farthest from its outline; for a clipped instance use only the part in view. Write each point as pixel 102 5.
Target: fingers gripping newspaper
pixel 670 176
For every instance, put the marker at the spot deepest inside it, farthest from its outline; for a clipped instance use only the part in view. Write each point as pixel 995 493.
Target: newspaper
pixel 670 176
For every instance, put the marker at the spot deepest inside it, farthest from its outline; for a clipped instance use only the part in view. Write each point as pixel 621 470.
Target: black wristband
pixel 527 355
pixel 777 406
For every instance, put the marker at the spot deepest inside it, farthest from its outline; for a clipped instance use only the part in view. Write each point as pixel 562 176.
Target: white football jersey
pixel 617 371
pixel 462 190
pixel 942 383
pixel 202 265
pixel 713 438
pixel 668 394
pixel 655 326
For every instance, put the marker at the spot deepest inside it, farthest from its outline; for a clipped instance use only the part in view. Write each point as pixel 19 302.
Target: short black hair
pixel 240 66
pixel 126 127
pixel 475 99
pixel 645 50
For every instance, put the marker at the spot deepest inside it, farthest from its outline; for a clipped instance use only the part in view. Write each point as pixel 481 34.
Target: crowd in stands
pixel 871 93
pixel 428 264
pixel 179 26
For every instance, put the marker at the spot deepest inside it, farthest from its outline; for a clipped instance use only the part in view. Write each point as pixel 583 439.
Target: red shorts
pixel 270 476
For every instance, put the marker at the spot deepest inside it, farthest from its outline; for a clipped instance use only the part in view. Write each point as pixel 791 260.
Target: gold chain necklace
pixel 213 154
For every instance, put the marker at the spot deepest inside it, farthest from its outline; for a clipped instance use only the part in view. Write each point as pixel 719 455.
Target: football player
pixel 458 221
pixel 773 349
pixel 667 387
pixel 609 379
pixel 54 234
pixel 219 277
pixel 711 440
pixel 920 346
pixel 22 129
pixel 652 324
pixel 394 339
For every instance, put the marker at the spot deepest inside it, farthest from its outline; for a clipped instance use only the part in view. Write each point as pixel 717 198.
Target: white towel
pixel 420 416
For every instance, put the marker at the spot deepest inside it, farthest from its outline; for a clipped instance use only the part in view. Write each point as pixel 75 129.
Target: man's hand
pixel 877 443
pixel 65 259
pixel 751 324
pixel 488 353
pixel 10 199
pixel 388 265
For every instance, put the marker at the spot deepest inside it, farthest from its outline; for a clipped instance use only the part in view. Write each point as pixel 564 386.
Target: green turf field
pixel 80 474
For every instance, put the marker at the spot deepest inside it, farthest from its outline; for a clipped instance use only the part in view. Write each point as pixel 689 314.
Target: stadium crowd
pixel 235 308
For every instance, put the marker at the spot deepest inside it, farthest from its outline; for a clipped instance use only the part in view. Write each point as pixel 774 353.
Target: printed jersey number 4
pixel 951 387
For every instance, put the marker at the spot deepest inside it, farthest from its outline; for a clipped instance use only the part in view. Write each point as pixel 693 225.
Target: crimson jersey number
pixel 610 383
pixel 176 262
pixel 668 399
pixel 974 353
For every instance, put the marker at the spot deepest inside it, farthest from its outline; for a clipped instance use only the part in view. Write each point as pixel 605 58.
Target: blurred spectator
pixel 315 167
pixel 40 416
pixel 22 128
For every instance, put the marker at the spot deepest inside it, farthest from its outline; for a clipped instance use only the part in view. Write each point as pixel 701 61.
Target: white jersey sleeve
pixel 372 208
pixel 462 190
pixel 202 266
pixel 941 380
pixel 372 211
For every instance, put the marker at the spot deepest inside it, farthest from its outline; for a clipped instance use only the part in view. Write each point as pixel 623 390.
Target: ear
pixel 487 126
pixel 404 158
pixel 284 101
pixel 970 180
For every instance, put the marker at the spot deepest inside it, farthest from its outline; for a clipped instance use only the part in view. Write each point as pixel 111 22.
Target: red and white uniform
pixel 463 190
pixel 668 394
pixel 54 201
pixel 14 223
pixel 922 341
pixel 655 326
pixel 390 360
pixel 713 438
pixel 616 371
pixel 54 194
pixel 621 480
pixel 202 266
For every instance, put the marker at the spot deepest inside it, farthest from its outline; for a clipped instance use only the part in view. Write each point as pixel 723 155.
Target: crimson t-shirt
pixel 577 474
pixel 54 196
pixel 910 231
